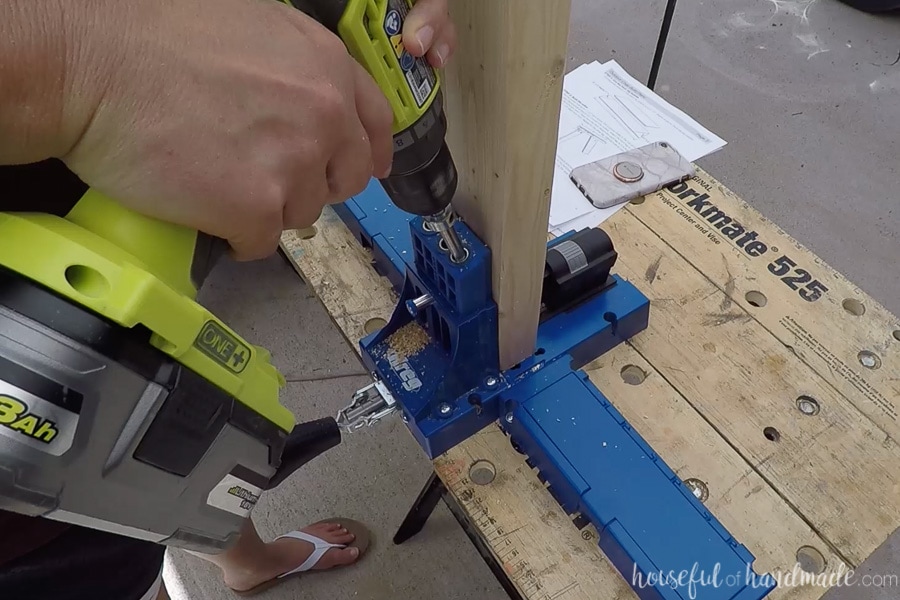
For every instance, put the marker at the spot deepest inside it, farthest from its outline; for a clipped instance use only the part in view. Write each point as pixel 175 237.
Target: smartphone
pixel 618 179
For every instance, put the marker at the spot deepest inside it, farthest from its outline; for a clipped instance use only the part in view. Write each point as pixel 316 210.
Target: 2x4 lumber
pixel 503 90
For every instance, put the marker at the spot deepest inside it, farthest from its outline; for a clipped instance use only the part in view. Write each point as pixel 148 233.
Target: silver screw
pixel 444 408
pixel 491 381
pixel 509 417
pixel 404 418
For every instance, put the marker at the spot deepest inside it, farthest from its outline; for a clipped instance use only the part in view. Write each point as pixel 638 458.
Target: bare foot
pixel 286 554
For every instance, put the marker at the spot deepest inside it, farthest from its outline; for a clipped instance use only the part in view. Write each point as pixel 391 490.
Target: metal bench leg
pixel 421 509
pixel 661 43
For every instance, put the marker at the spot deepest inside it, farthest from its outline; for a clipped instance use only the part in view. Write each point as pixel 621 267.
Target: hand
pixel 239 118
pixel 429 31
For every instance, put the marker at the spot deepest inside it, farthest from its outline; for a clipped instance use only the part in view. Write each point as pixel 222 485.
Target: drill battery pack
pixel 126 406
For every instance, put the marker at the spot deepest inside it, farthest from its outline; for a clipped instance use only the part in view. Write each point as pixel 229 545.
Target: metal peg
pixel 416 305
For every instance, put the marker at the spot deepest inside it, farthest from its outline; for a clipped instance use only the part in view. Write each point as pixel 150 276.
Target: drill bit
pixel 442 223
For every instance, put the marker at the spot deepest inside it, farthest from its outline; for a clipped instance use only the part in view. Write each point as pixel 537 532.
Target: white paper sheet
pixel 606 111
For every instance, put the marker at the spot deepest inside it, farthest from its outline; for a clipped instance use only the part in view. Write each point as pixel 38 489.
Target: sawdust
pixel 408 340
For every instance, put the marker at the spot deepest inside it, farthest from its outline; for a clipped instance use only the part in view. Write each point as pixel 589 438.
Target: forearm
pixel 43 100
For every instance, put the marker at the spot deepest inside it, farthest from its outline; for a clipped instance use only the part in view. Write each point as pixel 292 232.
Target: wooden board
pixel 502 97
pixel 767 410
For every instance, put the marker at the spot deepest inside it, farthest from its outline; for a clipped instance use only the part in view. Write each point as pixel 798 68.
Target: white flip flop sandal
pixel 362 541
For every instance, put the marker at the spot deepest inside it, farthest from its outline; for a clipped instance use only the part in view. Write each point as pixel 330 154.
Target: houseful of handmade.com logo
pixel 692 580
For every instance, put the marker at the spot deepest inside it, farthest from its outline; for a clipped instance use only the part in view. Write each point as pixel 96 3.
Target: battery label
pixel 419 75
pixel 35 422
pixel 234 495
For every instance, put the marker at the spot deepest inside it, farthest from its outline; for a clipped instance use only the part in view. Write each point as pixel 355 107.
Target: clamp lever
pixel 370 405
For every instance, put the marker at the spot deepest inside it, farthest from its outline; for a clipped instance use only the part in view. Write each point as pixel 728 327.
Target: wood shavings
pixel 408 340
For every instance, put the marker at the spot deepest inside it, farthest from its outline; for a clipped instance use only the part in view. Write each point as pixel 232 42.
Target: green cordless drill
pixel 424 178
pixel 128 407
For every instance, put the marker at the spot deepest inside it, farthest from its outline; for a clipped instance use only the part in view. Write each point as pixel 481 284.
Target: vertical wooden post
pixel 503 91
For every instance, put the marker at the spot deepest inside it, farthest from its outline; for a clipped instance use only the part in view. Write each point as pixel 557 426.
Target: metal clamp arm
pixel 369 406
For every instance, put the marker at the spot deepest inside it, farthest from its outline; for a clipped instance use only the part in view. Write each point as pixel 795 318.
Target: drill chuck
pixel 428 188
pixel 424 177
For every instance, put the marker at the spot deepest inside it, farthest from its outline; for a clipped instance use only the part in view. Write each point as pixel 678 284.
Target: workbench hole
pixel 897 335
pixel 373 325
pixel 639 200
pixel 771 434
pixel 698 488
pixel 869 359
pixel 482 472
pixel 610 317
pixel 87 281
pixel 757 299
pixel 539 351
pixel 475 400
pixel 810 560
pixel 854 307
pixel 633 375
pixel 808 405
pixel 308 233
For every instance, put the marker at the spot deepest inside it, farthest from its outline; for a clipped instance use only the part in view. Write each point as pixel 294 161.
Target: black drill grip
pixel 207 252
pixel 306 442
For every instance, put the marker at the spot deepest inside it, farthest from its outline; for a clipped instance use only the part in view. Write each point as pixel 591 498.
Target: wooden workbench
pixel 766 380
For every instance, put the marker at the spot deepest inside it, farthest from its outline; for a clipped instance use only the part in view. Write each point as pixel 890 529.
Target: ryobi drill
pixel 424 178
pixel 128 407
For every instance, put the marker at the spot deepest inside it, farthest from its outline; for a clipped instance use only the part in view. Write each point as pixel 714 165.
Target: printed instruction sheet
pixel 606 111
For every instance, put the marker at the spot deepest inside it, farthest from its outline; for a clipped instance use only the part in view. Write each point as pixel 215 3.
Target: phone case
pixel 617 179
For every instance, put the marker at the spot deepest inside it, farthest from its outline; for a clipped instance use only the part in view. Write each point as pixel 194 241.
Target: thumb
pixel 423 25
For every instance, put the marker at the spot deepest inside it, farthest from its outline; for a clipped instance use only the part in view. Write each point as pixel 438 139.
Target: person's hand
pixel 429 31
pixel 239 118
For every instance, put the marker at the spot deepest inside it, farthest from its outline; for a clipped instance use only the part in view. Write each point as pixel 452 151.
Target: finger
pixel 250 216
pixel 377 120
pixel 424 24
pixel 257 244
pixel 304 202
pixel 350 168
pixel 302 217
pixel 443 47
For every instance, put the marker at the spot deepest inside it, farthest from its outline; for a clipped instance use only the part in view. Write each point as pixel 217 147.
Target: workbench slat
pixel 837 467
pixel 821 315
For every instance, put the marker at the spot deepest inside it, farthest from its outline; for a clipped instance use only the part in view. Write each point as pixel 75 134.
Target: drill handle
pixel 180 256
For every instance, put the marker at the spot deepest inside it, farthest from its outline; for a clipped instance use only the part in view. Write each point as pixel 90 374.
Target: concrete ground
pixel 807 94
